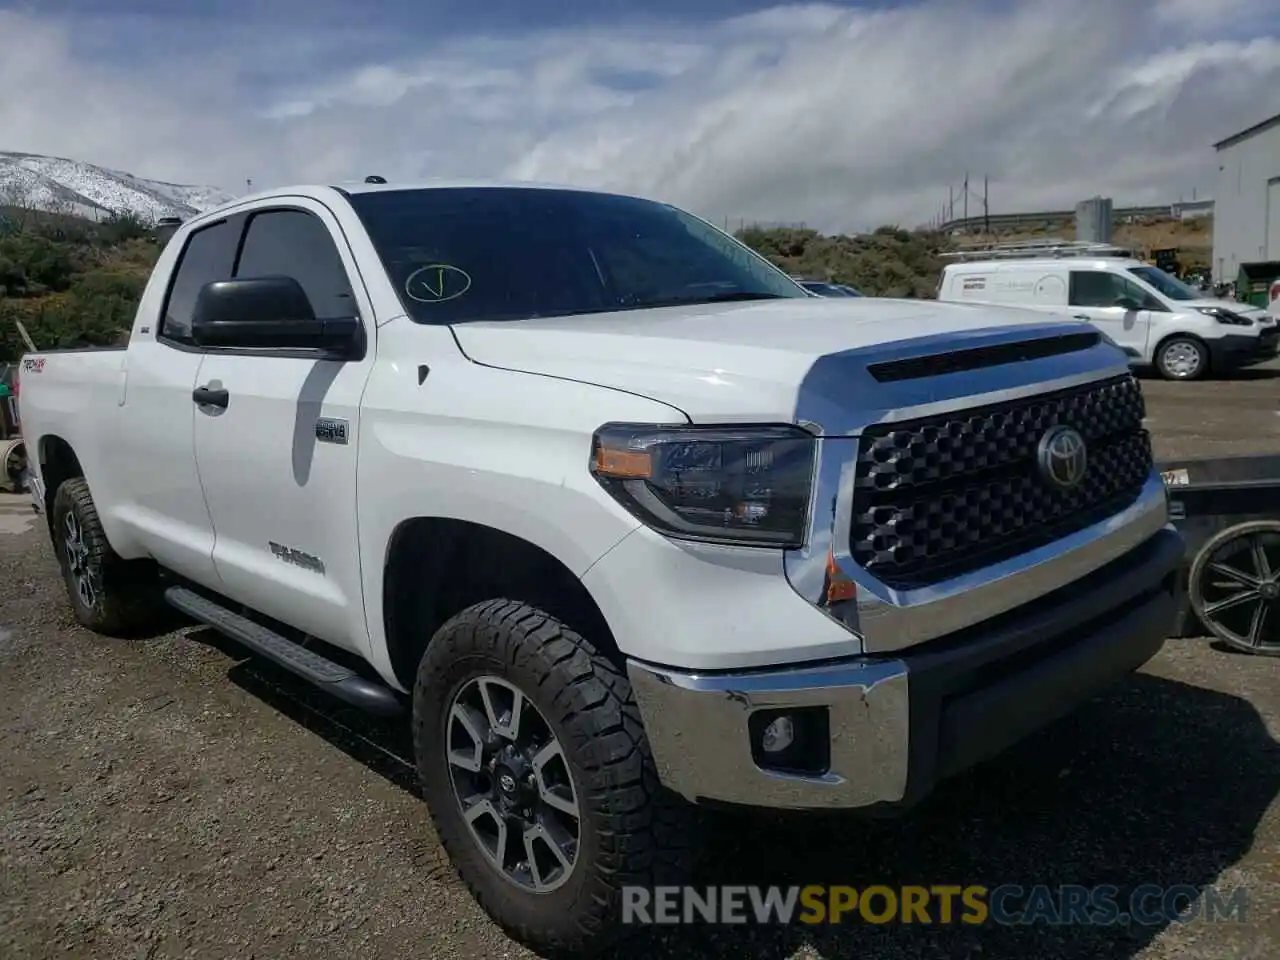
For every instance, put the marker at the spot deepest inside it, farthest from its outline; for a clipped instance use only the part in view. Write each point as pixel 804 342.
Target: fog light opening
pixel 795 741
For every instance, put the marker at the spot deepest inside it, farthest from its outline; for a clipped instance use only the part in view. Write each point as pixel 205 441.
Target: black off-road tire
pixel 632 831
pixel 127 598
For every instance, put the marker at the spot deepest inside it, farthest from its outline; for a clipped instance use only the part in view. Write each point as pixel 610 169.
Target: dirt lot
pixel 170 798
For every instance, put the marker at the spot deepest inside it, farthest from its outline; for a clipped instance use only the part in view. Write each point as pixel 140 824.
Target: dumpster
pixel 1253 282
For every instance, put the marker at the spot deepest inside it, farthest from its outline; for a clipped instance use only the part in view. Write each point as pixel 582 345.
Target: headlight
pixel 739 485
pixel 1223 315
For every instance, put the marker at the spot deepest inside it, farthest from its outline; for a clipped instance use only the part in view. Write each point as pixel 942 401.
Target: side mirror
pixel 270 313
pixel 1128 303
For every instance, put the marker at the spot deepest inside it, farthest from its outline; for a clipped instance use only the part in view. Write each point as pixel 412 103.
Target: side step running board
pixel 335 679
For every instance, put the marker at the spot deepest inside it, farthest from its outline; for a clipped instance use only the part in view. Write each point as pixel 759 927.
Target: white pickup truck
pixel 611 509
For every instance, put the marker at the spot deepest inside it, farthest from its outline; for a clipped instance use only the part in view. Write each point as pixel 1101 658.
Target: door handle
pixel 207 396
pixel 1080 316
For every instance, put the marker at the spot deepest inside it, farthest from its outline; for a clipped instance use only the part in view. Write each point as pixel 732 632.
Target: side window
pixel 1098 288
pixel 1093 288
pixel 1137 294
pixel 209 255
pixel 293 243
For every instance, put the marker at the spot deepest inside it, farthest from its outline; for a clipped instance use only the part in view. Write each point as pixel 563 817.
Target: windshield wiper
pixel 708 298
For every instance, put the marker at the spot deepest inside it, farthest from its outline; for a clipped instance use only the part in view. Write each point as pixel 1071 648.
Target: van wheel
pixel 1182 358
pixel 109 595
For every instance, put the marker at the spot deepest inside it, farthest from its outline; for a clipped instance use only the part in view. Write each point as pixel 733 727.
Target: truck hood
pixel 724 361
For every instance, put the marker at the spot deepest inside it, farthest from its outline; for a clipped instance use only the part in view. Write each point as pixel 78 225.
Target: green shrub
pixel 71 282
pixel 888 262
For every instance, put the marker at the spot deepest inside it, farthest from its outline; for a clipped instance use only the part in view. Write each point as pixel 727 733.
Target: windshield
pixel 463 254
pixel 1171 287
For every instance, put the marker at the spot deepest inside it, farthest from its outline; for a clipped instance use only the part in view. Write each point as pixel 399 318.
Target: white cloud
pixel 840 117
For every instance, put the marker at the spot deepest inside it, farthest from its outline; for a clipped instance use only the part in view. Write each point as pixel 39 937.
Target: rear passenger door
pixel 1106 299
pixel 278 463
pixel 159 499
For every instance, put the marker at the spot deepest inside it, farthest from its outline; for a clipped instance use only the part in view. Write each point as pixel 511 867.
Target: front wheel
pixel 1182 358
pixel 539 779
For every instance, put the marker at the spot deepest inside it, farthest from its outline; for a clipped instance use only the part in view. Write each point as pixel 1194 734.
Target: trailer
pixel 1228 511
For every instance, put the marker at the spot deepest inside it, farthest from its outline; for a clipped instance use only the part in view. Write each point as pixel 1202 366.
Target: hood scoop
pixel 976 358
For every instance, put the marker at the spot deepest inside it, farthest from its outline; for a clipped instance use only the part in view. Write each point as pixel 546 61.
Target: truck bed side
pixel 68 400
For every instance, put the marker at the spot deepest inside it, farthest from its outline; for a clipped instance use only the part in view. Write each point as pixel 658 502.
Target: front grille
pixel 942 495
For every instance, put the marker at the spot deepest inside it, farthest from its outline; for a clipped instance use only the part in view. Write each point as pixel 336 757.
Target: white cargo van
pixel 1155 318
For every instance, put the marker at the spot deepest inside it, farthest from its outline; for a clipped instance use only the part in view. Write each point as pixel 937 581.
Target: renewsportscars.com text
pixel 1008 904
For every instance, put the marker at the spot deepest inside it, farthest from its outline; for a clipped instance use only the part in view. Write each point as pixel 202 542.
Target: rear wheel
pixel 1182 358
pixel 108 594
pixel 539 779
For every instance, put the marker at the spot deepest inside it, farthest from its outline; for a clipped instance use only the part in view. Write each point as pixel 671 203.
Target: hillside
pixel 892 262
pixel 30 181
pixel 1192 238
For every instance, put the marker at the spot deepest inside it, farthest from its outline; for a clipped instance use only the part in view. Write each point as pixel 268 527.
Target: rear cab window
pixel 209 255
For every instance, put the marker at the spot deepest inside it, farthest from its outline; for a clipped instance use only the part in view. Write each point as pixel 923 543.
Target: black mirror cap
pixel 255 299
pixel 271 313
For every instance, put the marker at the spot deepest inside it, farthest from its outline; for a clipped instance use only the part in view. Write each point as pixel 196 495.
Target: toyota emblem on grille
pixel 1062 457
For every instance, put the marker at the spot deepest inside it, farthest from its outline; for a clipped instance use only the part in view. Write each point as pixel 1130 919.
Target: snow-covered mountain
pixel 83 189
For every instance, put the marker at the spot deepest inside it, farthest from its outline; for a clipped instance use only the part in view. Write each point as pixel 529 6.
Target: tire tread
pixel 130 589
pixel 644 832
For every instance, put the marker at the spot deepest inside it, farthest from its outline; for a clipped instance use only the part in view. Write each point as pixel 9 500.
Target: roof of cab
pixel 361 186
pixel 318 191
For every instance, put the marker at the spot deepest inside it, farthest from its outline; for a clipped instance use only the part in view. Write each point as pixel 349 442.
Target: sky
pixel 839 115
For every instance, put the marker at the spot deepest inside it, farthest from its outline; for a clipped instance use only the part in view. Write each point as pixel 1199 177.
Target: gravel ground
pixel 172 798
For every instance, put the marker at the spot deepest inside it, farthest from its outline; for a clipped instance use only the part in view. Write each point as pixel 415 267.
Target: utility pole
pixel 986 210
pixel 951 202
pixel 966 194
pixel 248 185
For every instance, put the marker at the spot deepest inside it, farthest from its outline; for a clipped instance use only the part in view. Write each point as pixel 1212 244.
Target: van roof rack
pixel 1049 248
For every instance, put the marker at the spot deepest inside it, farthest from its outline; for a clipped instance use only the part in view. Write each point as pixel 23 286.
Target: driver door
pixel 1115 305
pixel 276 450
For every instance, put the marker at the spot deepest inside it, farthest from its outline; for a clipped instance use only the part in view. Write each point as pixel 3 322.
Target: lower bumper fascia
pixel 898 725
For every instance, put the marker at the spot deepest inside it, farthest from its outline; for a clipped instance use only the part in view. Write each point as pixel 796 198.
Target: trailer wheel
pixel 1235 586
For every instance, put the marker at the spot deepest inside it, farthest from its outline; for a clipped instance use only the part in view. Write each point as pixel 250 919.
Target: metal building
pixel 1246 209
pixel 1094 220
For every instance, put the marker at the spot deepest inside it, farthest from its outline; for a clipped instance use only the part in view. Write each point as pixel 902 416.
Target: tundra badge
pixel 297 557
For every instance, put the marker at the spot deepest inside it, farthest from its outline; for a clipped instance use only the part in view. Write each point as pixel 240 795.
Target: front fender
pixel 502 449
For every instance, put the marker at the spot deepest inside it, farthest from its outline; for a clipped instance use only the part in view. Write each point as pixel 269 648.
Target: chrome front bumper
pixel 897 725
